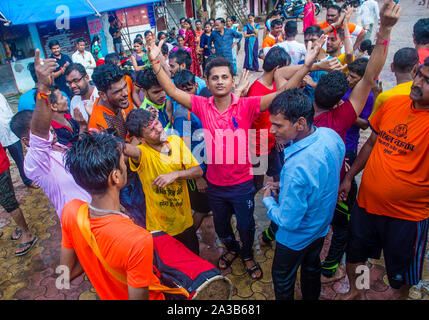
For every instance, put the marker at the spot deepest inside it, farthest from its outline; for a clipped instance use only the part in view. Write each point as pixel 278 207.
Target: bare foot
pixel 350 295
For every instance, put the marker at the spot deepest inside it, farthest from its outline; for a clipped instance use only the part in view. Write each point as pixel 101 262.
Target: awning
pixel 25 11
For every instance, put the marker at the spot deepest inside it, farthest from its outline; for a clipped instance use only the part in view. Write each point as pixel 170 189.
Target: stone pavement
pixel 33 276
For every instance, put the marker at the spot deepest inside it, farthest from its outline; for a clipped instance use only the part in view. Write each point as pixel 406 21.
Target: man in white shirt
pixel 295 49
pixel 11 142
pixel 84 94
pixel 83 57
pixel 369 15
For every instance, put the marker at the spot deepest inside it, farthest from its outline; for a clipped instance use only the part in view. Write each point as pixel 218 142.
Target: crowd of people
pixel 121 154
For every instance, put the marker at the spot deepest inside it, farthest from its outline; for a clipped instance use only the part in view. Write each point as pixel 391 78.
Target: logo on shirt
pixel 400 131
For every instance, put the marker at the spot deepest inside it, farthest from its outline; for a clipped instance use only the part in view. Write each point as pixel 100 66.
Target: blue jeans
pixel 133 199
pixel 238 200
pixel 17 155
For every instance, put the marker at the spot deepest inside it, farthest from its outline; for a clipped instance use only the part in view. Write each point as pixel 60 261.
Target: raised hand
pixel 44 71
pixel 313 50
pixel 243 84
pixel 389 14
pixel 348 14
pixel 153 50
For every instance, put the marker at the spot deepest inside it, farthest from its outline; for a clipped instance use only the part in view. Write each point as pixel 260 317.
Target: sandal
pixel 23 245
pixel 16 235
pixel 252 270
pixel 226 261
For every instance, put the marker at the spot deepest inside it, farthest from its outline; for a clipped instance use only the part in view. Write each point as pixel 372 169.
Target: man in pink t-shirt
pixel 226 117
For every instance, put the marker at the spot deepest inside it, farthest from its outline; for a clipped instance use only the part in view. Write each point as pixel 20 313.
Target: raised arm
pixel 348 47
pixel 41 121
pixel 294 81
pixel 389 16
pixel 132 151
pixel 154 53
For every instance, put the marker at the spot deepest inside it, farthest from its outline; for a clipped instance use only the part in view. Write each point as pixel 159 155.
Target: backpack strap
pixel 85 228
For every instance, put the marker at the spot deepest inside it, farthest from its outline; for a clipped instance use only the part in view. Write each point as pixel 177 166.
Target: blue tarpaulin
pixel 32 11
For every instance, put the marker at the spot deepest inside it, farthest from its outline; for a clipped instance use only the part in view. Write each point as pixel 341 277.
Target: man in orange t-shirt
pixel 114 102
pixel 274 37
pixel 393 201
pixel 334 20
pixel 109 112
pixel 125 269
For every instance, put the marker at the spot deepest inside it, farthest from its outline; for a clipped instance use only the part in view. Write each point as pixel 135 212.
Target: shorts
pixel 403 243
pixel 7 193
pixel 119 48
pixel 199 201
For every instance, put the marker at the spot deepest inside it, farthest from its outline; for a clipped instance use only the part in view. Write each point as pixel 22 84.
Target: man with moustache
pixel 84 93
pixel 392 208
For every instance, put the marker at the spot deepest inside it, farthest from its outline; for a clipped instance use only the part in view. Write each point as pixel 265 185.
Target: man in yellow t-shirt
pixel 404 66
pixel 163 163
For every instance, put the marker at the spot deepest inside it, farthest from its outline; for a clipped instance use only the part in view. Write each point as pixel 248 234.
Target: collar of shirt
pixel 301 144
pixel 234 101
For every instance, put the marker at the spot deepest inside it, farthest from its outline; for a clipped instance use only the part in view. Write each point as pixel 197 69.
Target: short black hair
pixel 160 34
pixel 147 32
pixel 293 104
pixel 358 66
pixel 30 68
pixel 105 75
pixel 75 66
pixel 111 19
pixel 218 62
pixel 112 58
pixel 421 31
pixel 366 45
pixel 53 43
pixel 138 119
pixel 330 89
pixel 222 20
pixel 146 79
pixel 183 78
pixel 405 60
pixel 53 97
pixel 164 49
pixel 251 14
pixel 276 22
pixel 21 122
pixel 182 56
pixel 80 40
pixel 207 23
pixel 277 56
pixel 313 30
pixel 182 19
pixel 92 158
pixel 291 28
pixel 198 20
pixel 334 6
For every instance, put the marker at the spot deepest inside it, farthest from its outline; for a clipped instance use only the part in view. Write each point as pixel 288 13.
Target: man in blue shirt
pixel 223 38
pixel 28 100
pixel 308 186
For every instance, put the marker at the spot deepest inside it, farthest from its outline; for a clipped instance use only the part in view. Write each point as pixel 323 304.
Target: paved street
pixel 33 276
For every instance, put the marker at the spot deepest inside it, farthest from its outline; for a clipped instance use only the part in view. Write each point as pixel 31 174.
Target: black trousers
pixel 285 265
pixel 189 239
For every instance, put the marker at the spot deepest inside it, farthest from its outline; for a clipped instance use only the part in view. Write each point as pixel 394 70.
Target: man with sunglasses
pixel 84 93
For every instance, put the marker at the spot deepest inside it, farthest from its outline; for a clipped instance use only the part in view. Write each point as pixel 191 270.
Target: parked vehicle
pixel 294 9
